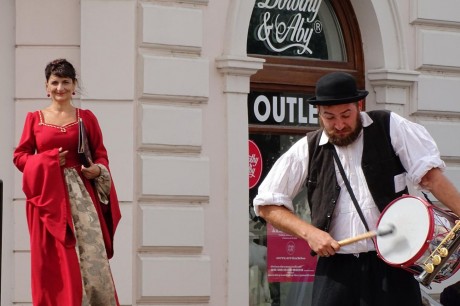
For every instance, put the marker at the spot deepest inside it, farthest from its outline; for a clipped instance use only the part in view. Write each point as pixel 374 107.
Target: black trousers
pixel 348 280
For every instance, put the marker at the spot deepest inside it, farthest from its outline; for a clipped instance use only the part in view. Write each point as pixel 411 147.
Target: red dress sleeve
pixel 43 184
pixel 111 212
pixel 26 146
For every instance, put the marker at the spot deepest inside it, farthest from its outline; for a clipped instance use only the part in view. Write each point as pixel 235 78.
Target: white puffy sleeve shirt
pixel 411 142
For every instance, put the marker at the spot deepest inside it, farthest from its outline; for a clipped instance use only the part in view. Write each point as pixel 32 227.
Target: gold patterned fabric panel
pixel 103 183
pixel 99 289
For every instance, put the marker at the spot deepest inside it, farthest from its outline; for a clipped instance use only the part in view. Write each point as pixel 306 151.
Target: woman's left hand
pixel 92 171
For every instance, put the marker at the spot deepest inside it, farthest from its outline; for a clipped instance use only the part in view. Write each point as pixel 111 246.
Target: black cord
pixel 350 191
pixel 426 197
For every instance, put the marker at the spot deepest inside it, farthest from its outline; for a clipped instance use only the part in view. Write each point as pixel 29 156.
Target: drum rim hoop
pixel 426 243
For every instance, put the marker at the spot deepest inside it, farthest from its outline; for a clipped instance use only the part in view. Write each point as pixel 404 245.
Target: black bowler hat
pixel 337 88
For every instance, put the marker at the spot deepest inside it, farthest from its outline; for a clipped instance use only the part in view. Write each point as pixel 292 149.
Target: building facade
pixel 172 83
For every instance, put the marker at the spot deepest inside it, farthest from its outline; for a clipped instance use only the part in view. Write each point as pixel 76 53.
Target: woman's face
pixel 60 89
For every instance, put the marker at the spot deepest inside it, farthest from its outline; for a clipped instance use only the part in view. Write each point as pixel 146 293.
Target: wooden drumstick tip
pixel 386 229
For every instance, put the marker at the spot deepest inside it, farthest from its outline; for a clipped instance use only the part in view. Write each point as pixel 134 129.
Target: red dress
pixel 55 265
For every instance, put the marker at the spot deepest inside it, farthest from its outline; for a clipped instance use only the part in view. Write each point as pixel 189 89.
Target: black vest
pixel 379 163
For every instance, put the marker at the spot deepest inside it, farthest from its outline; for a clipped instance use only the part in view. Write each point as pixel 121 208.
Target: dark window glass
pixel 263 292
pixel 305 29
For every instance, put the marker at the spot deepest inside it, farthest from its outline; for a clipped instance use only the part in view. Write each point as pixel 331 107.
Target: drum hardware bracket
pixel 439 257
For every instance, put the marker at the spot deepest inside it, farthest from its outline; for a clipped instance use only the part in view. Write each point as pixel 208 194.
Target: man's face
pixel 342 123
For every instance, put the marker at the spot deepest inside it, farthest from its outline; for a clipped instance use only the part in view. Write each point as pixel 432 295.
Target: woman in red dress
pixel 72 210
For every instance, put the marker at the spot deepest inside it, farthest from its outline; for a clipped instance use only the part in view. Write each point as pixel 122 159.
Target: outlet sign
pixel 281 109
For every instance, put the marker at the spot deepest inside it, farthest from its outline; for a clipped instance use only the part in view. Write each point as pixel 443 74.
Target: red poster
pixel 288 258
pixel 255 164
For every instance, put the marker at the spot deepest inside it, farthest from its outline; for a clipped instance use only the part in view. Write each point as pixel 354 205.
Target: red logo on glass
pixel 255 164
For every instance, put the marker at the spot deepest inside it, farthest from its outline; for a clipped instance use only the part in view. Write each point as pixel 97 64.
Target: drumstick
pixel 379 232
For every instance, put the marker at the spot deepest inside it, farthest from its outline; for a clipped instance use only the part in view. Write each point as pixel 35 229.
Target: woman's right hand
pixel 62 155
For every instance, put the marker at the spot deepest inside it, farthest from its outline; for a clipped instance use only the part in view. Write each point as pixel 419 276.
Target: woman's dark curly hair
pixel 61 68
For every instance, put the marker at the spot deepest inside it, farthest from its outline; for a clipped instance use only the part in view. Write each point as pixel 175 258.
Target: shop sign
pixel 288 258
pixel 279 109
pixel 255 164
pixel 287 25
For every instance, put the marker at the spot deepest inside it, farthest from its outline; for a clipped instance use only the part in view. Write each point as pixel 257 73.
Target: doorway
pixel 300 42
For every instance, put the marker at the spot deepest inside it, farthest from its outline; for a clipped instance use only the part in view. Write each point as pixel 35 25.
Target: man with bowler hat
pixel 378 151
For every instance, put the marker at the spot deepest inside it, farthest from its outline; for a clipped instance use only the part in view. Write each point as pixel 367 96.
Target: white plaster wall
pixel 175 76
pixel 236 68
pixel 180 278
pixel 161 218
pixel 107 65
pixel 50 22
pixel 171 125
pixel 7 39
pixel 193 172
pixel 445 13
pixel 173 174
pixel 438 49
pixel 436 94
pixel 108 53
pixel 437 30
pixel 173 26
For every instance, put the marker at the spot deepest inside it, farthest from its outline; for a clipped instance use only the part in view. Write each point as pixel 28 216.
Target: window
pixel 333 39
pixel 296 32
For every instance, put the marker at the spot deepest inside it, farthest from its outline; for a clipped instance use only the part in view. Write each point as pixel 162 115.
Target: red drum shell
pixel 419 229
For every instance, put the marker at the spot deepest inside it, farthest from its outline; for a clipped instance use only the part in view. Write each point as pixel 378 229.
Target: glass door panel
pixel 278 274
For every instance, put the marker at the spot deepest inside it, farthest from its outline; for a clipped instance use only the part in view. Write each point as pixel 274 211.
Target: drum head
pixel 411 218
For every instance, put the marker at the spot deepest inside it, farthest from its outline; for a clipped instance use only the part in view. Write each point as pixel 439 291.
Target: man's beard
pixel 343 141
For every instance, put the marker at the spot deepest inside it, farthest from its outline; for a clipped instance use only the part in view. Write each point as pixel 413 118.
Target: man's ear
pixel 360 105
